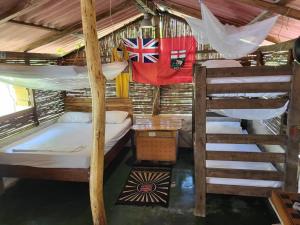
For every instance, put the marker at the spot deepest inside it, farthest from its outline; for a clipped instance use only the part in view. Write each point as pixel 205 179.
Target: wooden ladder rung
pixel 246 156
pixel 247 139
pixel 240 190
pixel 244 174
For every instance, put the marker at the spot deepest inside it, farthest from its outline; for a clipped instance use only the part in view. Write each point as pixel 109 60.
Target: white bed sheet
pixel 62 136
pixel 231 127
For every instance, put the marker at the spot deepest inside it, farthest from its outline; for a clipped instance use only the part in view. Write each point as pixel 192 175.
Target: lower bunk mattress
pixel 61 145
pixel 235 128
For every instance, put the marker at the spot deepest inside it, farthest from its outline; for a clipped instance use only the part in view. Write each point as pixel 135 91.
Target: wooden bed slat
pixel 250 71
pixel 85 104
pixel 247 139
pixel 240 190
pixel 244 174
pixel 245 103
pixel 246 156
pixel 61 174
pixel 249 88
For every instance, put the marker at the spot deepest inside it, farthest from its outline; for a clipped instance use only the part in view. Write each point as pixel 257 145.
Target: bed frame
pixel 74 174
pixel 202 103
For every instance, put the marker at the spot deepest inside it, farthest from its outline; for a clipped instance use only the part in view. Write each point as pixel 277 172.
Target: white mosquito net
pixel 232 42
pixel 55 77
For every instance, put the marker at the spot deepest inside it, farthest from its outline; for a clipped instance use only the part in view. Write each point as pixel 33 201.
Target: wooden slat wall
pixel 110 91
pixel 49 104
pixel 16 122
pixel 176 99
pixel 142 97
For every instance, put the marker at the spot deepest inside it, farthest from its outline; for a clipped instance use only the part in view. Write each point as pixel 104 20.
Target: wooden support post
pixel 200 139
pixel 156 101
pixel 293 132
pixel 260 58
pixel 97 82
pixel 156 91
pixel 1 185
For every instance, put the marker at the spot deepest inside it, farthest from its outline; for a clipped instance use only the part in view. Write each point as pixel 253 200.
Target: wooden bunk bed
pixel 74 174
pixel 203 90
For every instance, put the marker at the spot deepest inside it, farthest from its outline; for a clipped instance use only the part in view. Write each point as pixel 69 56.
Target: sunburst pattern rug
pixel 146 187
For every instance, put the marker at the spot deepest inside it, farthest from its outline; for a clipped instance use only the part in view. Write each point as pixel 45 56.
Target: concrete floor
pixel 63 203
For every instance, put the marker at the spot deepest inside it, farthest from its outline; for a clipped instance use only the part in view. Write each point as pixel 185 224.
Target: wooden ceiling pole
pixel 275 8
pixel 146 7
pixel 97 82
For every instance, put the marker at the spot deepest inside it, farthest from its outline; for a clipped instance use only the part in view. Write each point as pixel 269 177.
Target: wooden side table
pixel 156 138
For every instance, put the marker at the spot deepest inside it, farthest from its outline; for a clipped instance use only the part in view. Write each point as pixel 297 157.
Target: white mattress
pixel 253 79
pixel 234 128
pixel 36 150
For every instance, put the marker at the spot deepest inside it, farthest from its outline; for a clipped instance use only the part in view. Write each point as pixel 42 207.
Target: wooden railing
pixel 203 101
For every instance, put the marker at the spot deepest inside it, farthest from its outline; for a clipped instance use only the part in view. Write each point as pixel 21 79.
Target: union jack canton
pixel 142 50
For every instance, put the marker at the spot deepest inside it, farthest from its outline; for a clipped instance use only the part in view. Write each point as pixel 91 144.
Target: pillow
pixel 115 116
pixel 75 117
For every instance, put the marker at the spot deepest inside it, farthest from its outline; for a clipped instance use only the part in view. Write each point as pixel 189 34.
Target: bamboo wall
pixel 46 105
pixel 173 98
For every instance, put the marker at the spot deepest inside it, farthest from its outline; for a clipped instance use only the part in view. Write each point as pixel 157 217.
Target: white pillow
pixel 115 116
pixel 75 117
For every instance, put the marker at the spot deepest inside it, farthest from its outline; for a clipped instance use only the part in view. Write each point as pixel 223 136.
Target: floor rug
pixel 146 186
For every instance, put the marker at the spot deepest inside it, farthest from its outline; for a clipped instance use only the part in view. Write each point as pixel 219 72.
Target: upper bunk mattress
pixel 61 145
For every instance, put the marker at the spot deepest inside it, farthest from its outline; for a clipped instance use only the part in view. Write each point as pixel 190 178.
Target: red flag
pixel 175 63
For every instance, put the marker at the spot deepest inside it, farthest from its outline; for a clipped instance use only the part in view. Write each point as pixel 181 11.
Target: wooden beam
pixel 240 190
pixel 279 9
pixel 247 139
pixel 32 25
pixel 246 156
pixel 250 71
pixel 145 7
pixel 1 185
pixel 293 132
pixel 25 55
pixel 200 139
pixel 75 28
pixel 283 46
pixel 21 8
pixel 97 82
pixel 244 174
pixel 249 88
pixel 227 103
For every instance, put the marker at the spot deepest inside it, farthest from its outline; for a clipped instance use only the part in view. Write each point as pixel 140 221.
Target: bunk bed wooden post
pixel 293 132
pixel 200 139
pixel 97 82
pixel 1 185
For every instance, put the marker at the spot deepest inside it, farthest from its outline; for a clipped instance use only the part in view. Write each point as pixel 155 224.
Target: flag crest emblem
pixel 178 59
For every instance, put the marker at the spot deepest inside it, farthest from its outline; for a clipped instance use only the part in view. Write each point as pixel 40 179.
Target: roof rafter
pixel 21 8
pixel 144 6
pixel 75 28
pixel 25 24
pixel 281 9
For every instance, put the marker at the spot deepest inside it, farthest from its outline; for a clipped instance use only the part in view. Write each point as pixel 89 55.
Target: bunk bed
pixel 68 165
pixel 208 95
